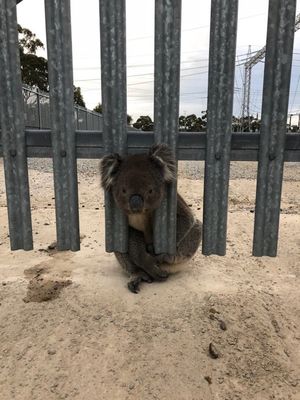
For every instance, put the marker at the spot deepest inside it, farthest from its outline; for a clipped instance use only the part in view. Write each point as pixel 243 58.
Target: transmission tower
pixel 251 61
pixel 246 90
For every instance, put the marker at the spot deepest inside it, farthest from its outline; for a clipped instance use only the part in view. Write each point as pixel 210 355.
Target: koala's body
pixel 138 184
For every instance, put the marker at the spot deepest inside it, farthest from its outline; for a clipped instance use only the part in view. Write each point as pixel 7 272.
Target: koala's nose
pixel 136 202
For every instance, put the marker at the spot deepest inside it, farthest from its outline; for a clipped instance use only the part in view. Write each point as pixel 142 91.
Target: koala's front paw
pixel 134 284
pixel 161 275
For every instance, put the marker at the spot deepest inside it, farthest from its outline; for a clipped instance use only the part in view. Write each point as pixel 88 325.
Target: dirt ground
pixel 70 329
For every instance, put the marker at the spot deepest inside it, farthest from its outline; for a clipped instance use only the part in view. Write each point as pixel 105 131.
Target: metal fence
pixel 37 112
pixel 218 146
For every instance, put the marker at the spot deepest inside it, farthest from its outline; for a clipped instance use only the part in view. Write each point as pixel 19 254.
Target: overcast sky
pixel 140 48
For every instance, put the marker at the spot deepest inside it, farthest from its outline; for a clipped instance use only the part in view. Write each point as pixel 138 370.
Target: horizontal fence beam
pixel 190 146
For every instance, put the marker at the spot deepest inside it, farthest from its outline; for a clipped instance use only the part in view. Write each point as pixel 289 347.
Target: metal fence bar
pixel 59 45
pixel 190 146
pixel 220 103
pixel 166 110
pixel 113 78
pixel 13 133
pixel 278 61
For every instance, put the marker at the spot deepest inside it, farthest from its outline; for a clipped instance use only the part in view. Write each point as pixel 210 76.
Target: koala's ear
pixel 163 156
pixel 109 167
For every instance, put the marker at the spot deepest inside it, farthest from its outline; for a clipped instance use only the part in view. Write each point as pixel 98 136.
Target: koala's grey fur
pixel 138 183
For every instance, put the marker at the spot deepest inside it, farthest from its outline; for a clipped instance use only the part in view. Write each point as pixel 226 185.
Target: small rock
pixel 51 352
pixel 4 283
pixel 97 317
pixel 52 246
pixel 223 325
pixel 131 386
pixel 208 379
pixel 213 352
pixel 46 223
pixel 213 311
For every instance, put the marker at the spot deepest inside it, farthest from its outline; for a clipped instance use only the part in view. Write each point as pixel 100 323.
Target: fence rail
pixel 65 141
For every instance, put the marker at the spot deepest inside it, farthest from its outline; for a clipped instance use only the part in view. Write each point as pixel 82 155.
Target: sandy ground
pixel 70 329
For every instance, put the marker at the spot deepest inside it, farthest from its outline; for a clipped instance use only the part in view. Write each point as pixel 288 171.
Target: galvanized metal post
pixel 219 120
pixel 59 46
pixel 13 133
pixel 39 108
pixel 166 110
pixel 113 80
pixel 279 53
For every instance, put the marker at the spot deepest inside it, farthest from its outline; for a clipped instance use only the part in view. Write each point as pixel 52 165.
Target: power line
pixel 152 64
pixel 191 29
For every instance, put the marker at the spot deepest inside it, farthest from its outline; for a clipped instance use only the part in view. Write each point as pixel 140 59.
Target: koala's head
pixel 138 182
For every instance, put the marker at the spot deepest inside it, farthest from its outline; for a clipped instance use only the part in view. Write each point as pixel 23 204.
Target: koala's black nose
pixel 136 202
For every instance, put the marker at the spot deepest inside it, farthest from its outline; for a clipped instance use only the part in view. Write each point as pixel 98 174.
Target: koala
pixel 138 184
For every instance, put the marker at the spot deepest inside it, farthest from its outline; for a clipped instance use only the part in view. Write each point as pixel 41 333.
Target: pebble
pixel 51 352
pixel 131 386
pixel 223 325
pixel 213 352
pixel 208 379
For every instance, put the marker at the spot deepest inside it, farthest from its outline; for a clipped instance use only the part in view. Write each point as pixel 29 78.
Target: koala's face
pixel 138 182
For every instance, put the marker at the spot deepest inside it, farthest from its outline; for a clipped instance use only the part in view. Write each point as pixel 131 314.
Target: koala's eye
pixel 124 190
pixel 150 191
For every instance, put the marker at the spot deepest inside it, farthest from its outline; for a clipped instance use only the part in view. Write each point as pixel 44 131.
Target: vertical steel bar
pixel 220 102
pixel 13 133
pixel 113 78
pixel 59 45
pixel 39 109
pixel 278 61
pixel 166 110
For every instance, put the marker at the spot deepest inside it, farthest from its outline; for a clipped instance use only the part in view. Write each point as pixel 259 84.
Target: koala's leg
pixel 136 274
pixel 141 258
pixel 188 245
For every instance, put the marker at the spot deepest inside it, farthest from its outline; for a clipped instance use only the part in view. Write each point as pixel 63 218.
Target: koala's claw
pixel 134 284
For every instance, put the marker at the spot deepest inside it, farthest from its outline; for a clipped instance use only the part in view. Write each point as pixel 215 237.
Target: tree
pixel 34 69
pixel 144 122
pixel 78 99
pixel 98 108
pixel 129 119
pixel 191 123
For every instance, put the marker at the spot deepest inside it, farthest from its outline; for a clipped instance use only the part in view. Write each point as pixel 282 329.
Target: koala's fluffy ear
pixel 163 156
pixel 109 167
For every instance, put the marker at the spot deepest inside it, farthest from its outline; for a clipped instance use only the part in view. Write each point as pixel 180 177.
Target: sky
pixel 252 25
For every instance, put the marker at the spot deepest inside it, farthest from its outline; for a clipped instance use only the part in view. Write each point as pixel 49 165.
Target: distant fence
pixel 37 112
pixel 218 146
